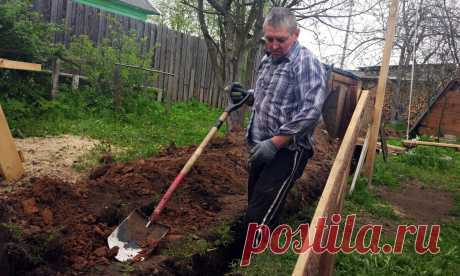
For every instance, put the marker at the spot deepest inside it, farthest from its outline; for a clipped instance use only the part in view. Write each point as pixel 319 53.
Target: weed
pixel 14 229
pixel 92 158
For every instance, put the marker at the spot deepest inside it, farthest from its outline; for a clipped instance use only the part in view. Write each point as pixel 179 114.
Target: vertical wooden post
pixel 55 78
pixel 380 94
pixel 75 82
pixel 10 162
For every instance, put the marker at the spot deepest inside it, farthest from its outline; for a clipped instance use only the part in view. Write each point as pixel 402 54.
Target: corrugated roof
pixel 146 5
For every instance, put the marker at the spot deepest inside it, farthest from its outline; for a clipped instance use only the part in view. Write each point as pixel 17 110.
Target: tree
pixel 239 23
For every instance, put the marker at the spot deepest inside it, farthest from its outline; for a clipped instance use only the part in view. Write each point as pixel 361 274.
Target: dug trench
pixel 51 227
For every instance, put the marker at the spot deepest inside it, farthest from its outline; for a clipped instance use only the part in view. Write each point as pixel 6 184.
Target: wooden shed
pixel 344 87
pixel 443 114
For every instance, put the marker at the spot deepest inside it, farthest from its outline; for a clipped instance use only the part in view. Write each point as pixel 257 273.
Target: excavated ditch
pixel 51 227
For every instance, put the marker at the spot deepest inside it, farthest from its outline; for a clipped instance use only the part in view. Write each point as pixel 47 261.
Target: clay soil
pixel 53 227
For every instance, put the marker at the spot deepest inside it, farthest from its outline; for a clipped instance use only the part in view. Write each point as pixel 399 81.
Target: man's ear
pixel 296 33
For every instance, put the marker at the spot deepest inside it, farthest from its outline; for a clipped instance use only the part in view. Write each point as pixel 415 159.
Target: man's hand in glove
pixel 237 93
pixel 263 152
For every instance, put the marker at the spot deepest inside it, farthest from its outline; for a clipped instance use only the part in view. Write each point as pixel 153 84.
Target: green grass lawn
pixel 432 167
pixel 141 129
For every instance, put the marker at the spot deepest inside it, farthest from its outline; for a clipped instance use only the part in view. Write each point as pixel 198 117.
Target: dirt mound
pixel 62 227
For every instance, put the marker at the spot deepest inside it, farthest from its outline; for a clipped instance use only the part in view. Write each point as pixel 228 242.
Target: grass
pixel 142 128
pixel 434 167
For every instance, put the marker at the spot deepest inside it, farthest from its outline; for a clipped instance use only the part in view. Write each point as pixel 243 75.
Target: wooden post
pixel 75 82
pixel 10 162
pixel 55 78
pixel 380 94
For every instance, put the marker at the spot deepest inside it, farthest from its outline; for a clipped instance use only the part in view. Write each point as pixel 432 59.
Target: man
pixel 287 102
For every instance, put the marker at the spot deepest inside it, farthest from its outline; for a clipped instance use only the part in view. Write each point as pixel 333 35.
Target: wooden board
pixel 331 198
pixel 10 162
pixel 391 148
pixel 409 144
pixel 380 96
pixel 19 65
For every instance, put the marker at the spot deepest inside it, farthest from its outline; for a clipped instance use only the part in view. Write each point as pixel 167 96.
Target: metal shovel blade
pixel 132 233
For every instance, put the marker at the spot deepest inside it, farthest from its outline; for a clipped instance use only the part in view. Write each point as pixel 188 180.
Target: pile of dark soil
pixel 51 227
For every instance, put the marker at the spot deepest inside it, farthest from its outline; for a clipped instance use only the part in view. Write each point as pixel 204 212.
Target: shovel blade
pixel 132 233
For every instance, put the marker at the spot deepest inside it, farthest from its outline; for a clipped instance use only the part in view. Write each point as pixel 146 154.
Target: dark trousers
pixel 269 185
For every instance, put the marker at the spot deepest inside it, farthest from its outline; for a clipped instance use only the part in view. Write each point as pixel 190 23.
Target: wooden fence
pixel 183 55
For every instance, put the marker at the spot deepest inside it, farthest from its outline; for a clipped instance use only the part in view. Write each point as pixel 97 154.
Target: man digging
pixel 286 101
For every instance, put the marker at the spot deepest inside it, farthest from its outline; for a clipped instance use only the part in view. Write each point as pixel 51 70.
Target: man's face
pixel 278 41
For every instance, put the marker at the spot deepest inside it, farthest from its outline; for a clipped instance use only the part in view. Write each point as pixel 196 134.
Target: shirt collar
pixel 293 51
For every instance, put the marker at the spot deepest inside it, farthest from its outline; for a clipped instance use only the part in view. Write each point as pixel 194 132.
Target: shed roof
pixel 138 9
pixel 146 5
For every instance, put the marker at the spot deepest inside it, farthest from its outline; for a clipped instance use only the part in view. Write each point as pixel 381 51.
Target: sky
pixel 327 43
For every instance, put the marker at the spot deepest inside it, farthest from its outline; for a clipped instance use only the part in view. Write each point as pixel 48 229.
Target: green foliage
pixel 224 234
pixel 429 158
pixel 447 262
pixel 97 62
pixel 397 126
pixel 362 198
pixel 267 264
pixel 385 176
pixel 141 129
pixel 15 230
pixel 91 158
pixel 23 33
pixel 25 37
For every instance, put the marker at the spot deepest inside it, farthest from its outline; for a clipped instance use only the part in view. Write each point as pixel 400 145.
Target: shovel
pixel 137 235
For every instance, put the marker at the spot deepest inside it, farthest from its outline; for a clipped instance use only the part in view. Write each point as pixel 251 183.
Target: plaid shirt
pixel 288 98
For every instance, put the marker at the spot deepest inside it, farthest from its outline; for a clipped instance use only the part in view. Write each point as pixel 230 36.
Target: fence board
pixel 163 48
pixel 177 55
pixel 184 55
pixel 189 71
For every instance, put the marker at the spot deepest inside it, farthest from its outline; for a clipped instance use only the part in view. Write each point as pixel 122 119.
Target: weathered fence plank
pixel 184 55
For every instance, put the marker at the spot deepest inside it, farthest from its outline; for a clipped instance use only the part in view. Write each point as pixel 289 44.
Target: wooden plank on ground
pixel 305 263
pixel 410 144
pixel 10 162
pixel 380 97
pixel 391 148
pixel 19 65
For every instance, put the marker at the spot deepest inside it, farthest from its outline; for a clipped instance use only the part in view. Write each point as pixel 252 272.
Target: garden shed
pixel 443 114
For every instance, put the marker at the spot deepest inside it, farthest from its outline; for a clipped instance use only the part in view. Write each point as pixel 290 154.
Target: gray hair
pixel 281 17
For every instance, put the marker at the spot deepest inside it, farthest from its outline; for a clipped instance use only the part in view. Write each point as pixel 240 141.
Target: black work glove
pixel 263 153
pixel 237 92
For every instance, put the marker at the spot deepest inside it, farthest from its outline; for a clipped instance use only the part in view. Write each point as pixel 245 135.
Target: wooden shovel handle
pixel 187 167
